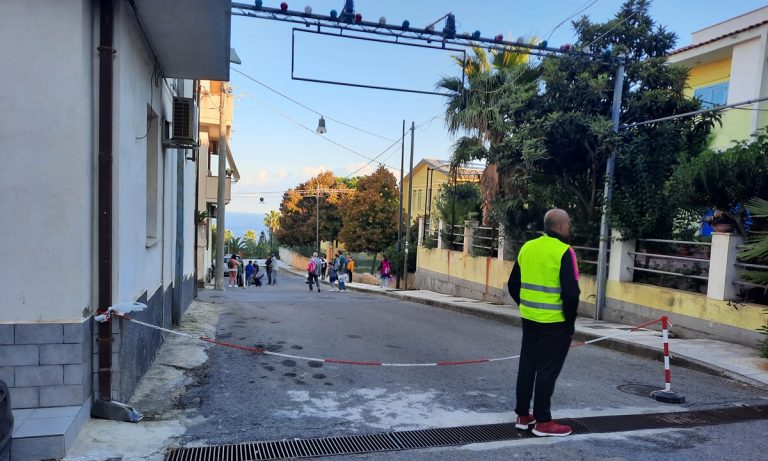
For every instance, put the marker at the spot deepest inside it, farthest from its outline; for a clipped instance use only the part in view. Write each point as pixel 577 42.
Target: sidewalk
pixel 733 361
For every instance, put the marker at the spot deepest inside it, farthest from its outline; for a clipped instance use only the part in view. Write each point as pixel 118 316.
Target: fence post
pixel 620 258
pixel 420 238
pixel 440 229
pixel 502 248
pixel 722 272
pixel 470 227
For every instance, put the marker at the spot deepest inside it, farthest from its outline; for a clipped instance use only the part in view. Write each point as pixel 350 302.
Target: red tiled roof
pixel 696 45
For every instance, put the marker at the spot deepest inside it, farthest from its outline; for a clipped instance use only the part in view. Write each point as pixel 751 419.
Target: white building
pixel 97 206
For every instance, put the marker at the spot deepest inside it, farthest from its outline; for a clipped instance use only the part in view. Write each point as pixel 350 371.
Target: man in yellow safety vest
pixel 545 284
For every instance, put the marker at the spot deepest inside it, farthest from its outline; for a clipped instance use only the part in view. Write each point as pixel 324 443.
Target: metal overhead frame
pixel 463 52
pixel 398 33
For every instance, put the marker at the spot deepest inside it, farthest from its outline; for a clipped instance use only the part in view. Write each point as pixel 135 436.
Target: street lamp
pixel 321 126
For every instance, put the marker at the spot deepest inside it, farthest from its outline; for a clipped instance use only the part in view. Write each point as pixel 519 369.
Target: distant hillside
pixel 238 223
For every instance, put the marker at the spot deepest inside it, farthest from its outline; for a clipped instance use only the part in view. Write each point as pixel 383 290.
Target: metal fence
pixel 679 264
pixel 486 242
pixel 750 291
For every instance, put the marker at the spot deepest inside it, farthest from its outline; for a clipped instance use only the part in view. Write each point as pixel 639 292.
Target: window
pixel 712 95
pixel 153 176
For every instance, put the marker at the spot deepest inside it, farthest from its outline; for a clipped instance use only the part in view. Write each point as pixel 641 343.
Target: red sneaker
pixel 525 422
pixel 551 429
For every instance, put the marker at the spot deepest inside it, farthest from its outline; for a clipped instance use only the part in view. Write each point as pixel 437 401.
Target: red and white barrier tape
pixel 261 350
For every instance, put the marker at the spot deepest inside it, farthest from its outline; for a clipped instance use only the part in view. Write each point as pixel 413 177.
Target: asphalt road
pixel 244 397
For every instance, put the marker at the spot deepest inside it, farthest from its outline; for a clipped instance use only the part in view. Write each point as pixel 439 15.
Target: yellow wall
pixel 485 271
pixel 708 74
pixel 735 123
pixel 494 273
pixel 747 316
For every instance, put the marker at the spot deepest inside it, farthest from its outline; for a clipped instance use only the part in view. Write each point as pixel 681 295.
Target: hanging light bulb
pixel 321 126
pixel 476 34
pixel 334 14
pixel 258 3
pixel 406 24
pixel 308 9
pixel 284 6
pixel 382 20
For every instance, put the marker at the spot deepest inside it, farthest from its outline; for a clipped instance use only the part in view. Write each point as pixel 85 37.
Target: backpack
pixel 311 266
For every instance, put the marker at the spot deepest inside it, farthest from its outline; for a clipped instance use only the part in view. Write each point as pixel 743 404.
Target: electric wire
pixel 286 116
pixel 583 9
pixel 307 107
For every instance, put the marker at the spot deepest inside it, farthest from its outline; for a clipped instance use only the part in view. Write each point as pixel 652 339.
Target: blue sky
pixel 274 153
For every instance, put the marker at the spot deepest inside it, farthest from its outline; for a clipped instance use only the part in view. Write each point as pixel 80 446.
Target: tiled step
pixel 46 433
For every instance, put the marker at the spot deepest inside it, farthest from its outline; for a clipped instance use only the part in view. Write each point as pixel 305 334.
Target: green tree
pixel 250 235
pixel 236 245
pixel 370 215
pixel 227 236
pixel 298 214
pixel 455 202
pixel 724 180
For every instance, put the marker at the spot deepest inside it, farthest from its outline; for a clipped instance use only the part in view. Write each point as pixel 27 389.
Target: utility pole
pixel 317 226
pixel 602 256
pixel 408 219
pixel 220 226
pixel 400 210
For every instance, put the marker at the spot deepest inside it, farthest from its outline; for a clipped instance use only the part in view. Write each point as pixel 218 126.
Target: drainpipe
pixel 106 64
pixel 104 406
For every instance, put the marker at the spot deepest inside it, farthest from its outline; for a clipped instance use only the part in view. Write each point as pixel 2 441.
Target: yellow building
pixel 727 64
pixel 211 94
pixel 428 176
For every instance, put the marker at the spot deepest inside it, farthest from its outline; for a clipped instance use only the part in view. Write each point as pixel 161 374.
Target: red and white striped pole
pixel 667 395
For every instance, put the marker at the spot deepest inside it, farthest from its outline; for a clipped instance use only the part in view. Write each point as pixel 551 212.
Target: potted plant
pixel 720 221
pixel 201 217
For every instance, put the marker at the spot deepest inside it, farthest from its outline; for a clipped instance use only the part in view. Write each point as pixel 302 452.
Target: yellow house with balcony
pixel 727 63
pixel 215 102
pixel 428 176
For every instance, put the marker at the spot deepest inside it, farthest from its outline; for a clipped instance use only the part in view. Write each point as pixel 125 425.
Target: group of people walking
pixel 340 271
pixel 252 272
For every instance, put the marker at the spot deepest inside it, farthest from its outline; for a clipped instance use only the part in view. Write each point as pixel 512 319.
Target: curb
pixel 619 345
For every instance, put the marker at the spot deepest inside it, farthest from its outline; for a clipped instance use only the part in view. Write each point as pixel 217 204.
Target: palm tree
pixel 236 245
pixel 272 221
pixel 478 106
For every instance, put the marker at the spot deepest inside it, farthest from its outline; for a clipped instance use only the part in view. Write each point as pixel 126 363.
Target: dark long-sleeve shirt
pixel 569 283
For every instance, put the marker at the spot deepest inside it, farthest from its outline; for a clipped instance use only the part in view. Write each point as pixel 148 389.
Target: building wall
pixel 47 157
pixel 438 178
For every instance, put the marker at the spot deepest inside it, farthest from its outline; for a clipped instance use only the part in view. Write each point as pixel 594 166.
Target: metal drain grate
pixel 451 436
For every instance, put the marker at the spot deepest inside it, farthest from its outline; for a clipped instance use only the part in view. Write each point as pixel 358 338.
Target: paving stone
pixel 42 375
pixel 6 334
pixel 74 374
pixel 75 333
pixel 58 354
pixel 25 397
pixel 38 448
pixel 19 355
pixel 6 374
pixel 59 396
pixel 39 333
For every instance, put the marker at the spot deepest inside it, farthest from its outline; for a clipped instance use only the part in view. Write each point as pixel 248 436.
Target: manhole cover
pixel 642 390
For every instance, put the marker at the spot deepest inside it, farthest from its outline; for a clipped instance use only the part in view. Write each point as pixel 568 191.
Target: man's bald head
pixel 557 220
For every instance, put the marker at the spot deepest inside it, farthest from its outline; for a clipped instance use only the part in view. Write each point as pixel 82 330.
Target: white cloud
pixel 311 171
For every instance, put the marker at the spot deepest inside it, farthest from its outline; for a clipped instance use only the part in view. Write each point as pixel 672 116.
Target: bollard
pixel 667 395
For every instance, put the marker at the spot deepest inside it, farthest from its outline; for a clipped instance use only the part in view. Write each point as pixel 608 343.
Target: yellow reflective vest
pixel 540 290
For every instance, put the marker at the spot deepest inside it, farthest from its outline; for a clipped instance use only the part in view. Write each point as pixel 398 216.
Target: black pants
pixel 269 276
pixel 545 346
pixel 312 278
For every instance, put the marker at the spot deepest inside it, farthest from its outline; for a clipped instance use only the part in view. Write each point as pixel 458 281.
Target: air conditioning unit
pixel 184 124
